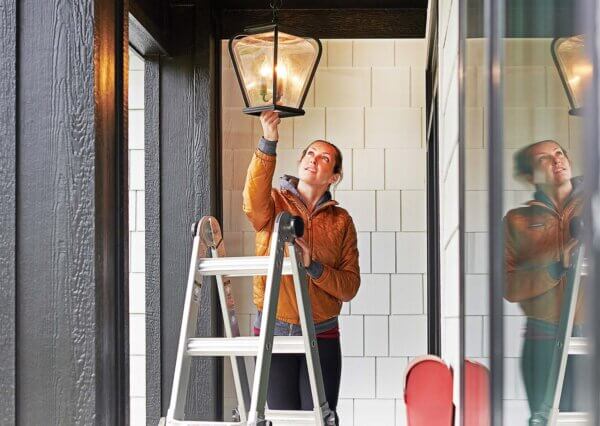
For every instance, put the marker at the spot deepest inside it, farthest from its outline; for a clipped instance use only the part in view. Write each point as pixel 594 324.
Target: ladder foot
pixel 330 420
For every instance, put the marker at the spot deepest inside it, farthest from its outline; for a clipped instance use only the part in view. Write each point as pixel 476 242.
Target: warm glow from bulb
pixel 575 80
pixel 265 70
pixel 582 69
pixel 281 70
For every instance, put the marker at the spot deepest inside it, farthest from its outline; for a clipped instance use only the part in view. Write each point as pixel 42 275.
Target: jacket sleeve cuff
pixel 315 269
pixel 267 147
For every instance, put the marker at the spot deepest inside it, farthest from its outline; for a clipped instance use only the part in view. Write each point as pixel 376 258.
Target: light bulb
pixel 265 70
pixel 281 71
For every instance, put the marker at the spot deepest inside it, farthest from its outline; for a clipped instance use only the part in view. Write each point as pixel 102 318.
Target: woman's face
pixel 316 167
pixel 550 164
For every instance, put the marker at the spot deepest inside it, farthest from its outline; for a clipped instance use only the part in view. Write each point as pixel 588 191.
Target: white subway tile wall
pixel 137 289
pixel 369 98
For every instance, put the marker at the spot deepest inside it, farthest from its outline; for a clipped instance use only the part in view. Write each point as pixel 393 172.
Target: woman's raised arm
pixel 258 203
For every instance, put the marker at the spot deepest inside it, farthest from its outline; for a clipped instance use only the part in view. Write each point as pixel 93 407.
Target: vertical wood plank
pixel 188 191
pixel 71 280
pixel 56 266
pixel 8 159
pixel 205 393
pixel 152 202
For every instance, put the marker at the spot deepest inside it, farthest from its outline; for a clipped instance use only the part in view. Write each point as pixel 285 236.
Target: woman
pixel 539 255
pixel 329 252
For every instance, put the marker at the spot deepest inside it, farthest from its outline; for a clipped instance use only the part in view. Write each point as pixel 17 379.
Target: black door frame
pixel 434 345
pixel 160 55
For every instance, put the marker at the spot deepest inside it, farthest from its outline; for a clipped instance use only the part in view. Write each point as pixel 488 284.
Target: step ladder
pixel 208 259
pixel 566 345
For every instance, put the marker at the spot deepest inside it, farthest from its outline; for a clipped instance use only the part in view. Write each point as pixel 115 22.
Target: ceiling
pixel 331 18
pixel 326 4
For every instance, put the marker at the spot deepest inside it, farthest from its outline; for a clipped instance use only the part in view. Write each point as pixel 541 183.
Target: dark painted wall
pixel 69 211
pixel 8 155
pixel 152 237
pixel 181 186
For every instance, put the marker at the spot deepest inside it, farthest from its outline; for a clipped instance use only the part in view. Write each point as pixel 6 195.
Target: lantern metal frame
pixel 575 110
pixel 284 111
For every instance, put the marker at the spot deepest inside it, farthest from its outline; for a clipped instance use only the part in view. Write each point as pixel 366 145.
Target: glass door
pixel 528 141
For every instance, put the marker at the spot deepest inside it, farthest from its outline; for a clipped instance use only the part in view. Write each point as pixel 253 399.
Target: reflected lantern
pixel 574 68
pixel 274 69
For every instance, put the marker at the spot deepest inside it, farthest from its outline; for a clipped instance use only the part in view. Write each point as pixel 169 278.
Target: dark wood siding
pixel 70 209
pixel 152 201
pixel 182 185
pixel 8 159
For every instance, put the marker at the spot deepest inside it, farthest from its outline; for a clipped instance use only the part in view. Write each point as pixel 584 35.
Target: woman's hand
pixel 270 121
pixel 306 255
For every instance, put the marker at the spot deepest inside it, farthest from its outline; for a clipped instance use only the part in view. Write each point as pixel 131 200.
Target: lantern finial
pixel 275 6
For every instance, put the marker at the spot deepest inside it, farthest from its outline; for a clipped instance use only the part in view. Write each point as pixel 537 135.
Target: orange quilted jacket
pixel 535 235
pixel 328 230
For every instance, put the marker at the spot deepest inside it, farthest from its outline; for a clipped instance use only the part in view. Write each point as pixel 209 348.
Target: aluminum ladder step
pixel 291 418
pixel 578 346
pixel 573 419
pixel 198 423
pixel 242 346
pixel 248 266
pixel 278 417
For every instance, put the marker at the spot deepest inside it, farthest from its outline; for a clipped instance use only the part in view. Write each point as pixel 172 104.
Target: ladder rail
pixel 213 238
pixel 263 359
pixel 313 362
pixel 563 345
pixel 188 327
pixel 232 329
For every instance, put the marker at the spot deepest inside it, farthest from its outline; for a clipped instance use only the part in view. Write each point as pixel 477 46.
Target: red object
pixel 477 394
pixel 428 392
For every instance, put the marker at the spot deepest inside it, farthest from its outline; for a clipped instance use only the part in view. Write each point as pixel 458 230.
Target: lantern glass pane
pixel 254 56
pixel 574 66
pixel 296 58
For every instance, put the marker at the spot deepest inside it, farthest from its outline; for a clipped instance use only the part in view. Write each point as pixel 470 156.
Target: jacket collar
pixel 288 183
pixel 540 196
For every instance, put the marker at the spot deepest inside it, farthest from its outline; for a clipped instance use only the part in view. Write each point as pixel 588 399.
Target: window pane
pixel 543 202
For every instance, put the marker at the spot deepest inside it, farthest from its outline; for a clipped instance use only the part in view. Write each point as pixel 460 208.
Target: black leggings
pixel 289 388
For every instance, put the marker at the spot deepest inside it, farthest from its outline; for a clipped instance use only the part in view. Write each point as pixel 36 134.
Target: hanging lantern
pixel 574 68
pixel 274 69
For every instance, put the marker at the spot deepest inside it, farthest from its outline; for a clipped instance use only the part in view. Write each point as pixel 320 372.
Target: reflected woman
pixel 330 256
pixel 538 254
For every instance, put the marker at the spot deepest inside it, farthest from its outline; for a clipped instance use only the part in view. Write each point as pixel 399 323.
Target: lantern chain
pixel 275 6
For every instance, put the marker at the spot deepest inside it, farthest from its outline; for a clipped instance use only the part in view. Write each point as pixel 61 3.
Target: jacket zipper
pixel 567 209
pixel 309 217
